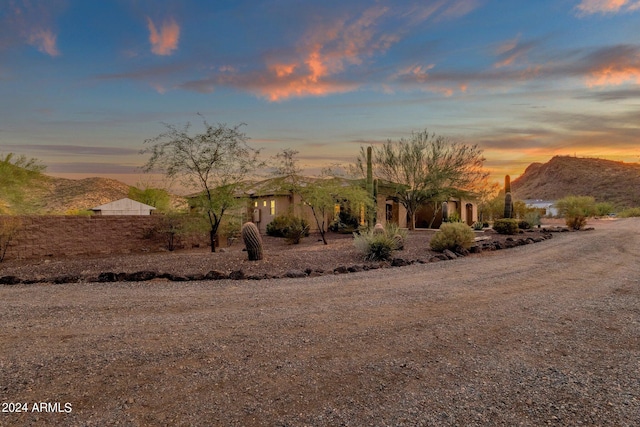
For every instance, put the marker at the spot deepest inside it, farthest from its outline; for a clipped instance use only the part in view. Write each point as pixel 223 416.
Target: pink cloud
pixel 589 7
pixel 32 23
pixel 44 41
pixel 164 41
pixel 325 51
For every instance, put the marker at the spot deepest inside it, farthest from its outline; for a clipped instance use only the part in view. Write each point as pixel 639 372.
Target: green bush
pixel 576 222
pixel 452 235
pixel 290 227
pixel 576 209
pixel 533 218
pixel 478 226
pixel 524 225
pixel 506 226
pixel 629 212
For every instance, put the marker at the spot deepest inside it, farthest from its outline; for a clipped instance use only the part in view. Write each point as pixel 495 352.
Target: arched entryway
pixel 469 213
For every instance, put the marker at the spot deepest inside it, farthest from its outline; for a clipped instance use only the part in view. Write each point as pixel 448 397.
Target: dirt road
pixel 540 334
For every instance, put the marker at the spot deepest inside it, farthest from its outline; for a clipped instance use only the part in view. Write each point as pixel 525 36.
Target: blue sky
pixel 84 83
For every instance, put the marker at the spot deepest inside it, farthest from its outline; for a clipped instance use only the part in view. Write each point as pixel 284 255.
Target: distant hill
pixel 69 195
pixel 605 180
pixel 24 191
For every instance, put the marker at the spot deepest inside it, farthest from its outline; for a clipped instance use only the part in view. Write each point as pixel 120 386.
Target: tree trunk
pixel 212 238
pixel 411 224
pixel 320 227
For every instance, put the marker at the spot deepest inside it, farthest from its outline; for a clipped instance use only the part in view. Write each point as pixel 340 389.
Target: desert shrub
pixel 378 244
pixel 9 227
pixel 288 226
pixel 375 246
pixel 344 222
pixel 452 235
pixel 230 229
pixel 603 208
pixel 506 226
pixel 629 212
pixel 576 210
pixel 454 217
pixel 524 225
pixel 477 226
pixel 533 218
pixel 576 222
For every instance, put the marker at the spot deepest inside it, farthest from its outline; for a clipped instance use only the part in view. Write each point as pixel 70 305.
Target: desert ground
pixel 546 333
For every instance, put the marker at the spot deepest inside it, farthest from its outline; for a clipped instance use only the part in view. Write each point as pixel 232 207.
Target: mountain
pixel 69 195
pixel 605 180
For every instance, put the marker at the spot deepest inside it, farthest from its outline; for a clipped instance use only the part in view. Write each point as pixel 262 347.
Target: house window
pixel 272 209
pixel 255 204
pixel 264 203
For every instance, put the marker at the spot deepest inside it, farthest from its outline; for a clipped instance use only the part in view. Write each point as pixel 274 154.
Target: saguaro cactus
pixel 508 200
pixel 371 189
pixel 252 241
pixel 508 206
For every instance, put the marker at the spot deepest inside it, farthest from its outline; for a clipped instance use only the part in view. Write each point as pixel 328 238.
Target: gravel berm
pixel 542 334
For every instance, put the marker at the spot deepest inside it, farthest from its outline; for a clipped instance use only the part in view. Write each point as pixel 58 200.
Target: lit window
pixel 264 203
pixel 272 210
pixel 255 204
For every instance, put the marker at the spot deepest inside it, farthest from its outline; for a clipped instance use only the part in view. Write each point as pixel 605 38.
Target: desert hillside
pixel 605 180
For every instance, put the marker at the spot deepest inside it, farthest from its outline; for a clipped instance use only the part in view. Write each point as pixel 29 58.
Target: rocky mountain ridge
pixel 605 180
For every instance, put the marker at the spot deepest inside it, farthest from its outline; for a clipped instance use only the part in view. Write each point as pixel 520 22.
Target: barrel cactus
pixel 252 241
pixel 378 229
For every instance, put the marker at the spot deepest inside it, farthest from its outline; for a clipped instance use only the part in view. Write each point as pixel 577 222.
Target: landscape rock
pixel 9 280
pixel 215 275
pixel 295 273
pixel 141 276
pixel 449 254
pixel 237 275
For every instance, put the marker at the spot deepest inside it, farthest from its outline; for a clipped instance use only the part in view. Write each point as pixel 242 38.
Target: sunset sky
pixel 84 83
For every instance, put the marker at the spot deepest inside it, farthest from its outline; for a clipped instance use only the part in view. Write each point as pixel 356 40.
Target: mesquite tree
pixel 426 168
pixel 215 163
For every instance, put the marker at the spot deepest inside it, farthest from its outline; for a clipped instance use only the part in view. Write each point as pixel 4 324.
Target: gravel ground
pixel 540 334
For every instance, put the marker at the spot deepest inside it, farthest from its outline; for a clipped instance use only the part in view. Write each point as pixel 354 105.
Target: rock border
pixel 148 275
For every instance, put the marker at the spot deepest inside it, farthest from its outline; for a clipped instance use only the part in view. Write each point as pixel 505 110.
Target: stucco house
pixel 124 206
pixel 267 199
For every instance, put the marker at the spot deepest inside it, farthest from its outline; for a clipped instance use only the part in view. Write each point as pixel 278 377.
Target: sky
pixel 84 83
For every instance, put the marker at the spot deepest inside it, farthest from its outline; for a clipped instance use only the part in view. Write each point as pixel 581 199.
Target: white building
pixel 123 207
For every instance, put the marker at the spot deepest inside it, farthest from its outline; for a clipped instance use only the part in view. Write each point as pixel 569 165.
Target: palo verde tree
pixel 321 194
pixel 426 168
pixel 215 163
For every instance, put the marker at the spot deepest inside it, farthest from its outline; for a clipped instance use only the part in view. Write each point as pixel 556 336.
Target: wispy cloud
pixel 32 23
pixel 165 40
pixel 67 149
pixel 614 66
pixel 513 50
pixel 330 49
pixel 590 7
pixel 44 40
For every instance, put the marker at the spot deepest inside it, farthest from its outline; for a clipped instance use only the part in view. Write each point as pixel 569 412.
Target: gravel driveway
pixel 539 334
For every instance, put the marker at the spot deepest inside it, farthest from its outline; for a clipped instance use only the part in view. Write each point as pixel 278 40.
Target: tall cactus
pixel 252 241
pixel 508 200
pixel 508 206
pixel 371 212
